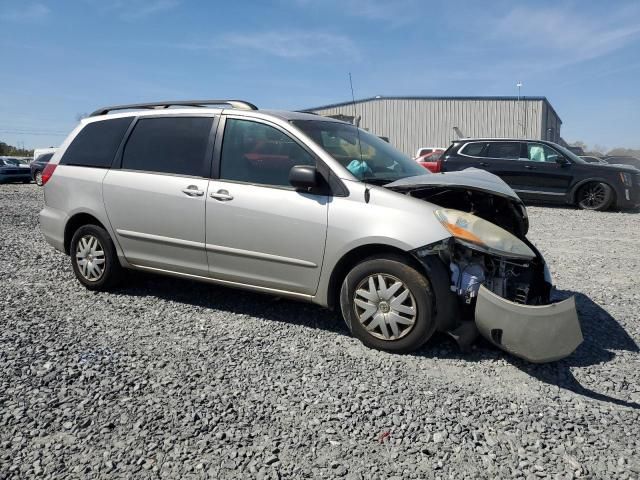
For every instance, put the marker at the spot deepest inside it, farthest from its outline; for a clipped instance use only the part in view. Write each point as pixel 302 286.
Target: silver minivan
pixel 307 207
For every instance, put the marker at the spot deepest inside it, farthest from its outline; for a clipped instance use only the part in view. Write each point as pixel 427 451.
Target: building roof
pixel 427 97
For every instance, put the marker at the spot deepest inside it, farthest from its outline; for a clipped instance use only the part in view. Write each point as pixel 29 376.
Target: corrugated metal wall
pixel 414 123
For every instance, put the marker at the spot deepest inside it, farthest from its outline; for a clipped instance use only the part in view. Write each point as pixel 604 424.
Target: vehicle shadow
pixel 566 206
pixel 602 333
pixel 232 300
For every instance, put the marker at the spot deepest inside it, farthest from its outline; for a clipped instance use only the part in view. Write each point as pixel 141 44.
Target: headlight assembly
pixel 482 235
pixel 626 179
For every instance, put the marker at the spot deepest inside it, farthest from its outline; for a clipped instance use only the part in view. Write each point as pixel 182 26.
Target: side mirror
pixel 303 177
pixel 562 161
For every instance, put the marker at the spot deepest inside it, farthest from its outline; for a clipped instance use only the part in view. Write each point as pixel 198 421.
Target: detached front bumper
pixel 537 334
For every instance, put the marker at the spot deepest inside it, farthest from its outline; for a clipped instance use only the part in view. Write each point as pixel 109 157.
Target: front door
pixel 156 201
pixel 259 230
pixel 538 175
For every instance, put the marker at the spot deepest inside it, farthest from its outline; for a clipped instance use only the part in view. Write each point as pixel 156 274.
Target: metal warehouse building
pixel 413 122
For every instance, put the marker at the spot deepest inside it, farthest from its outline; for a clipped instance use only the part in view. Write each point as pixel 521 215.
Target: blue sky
pixel 65 58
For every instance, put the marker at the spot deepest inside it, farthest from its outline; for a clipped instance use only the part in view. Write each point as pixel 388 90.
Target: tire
pixel 595 196
pixel 370 318
pixel 94 258
pixel 38 178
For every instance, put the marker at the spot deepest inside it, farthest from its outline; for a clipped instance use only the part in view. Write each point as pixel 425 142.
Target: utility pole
pixel 519 131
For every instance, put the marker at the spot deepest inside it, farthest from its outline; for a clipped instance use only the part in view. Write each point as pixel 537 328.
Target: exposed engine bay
pixel 488 278
pixel 520 281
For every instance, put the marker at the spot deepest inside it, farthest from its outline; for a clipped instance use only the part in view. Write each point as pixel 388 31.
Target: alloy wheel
pixel 38 178
pixel 593 195
pixel 385 306
pixel 90 258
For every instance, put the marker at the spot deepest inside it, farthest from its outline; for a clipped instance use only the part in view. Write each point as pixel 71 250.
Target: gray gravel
pixel 174 379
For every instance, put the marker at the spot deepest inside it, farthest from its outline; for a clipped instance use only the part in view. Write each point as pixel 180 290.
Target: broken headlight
pixel 479 234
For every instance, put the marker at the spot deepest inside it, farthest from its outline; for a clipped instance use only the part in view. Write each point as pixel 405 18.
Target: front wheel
pixel 595 196
pixel 388 305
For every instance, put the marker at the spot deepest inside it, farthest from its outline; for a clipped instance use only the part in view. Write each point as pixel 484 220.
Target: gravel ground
pixel 174 379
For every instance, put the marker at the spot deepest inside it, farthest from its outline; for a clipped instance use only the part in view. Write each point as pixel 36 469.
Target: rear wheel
pixel 388 305
pixel 595 196
pixel 38 178
pixel 94 258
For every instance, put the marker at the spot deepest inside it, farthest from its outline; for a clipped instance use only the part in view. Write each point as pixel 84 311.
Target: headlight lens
pixel 482 235
pixel 626 179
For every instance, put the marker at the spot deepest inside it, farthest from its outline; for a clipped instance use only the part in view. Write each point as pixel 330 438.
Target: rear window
pixel 44 158
pixel 473 149
pixel 174 145
pixel 96 144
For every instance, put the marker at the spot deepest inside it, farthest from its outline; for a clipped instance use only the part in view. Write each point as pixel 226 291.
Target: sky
pixel 63 59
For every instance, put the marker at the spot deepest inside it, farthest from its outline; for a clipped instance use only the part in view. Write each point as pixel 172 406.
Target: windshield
pixel 568 153
pixel 366 156
pixel 14 162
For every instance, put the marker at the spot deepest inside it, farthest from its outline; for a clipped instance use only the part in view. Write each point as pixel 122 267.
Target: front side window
pixel 366 156
pixel 504 150
pixel 256 153
pixel 97 143
pixel 173 145
pixel 538 152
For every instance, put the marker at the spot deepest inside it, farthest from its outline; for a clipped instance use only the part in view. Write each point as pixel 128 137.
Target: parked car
pixel 546 172
pixel 623 160
pixel 592 159
pixel 309 208
pixel 431 161
pixel 425 150
pixel 13 170
pixel 38 165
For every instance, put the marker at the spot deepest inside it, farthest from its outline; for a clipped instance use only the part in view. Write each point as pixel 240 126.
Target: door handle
pixel 193 191
pixel 222 195
pixel 484 164
pixel 529 167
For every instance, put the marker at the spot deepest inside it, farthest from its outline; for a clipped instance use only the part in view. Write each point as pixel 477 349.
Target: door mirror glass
pixel 303 177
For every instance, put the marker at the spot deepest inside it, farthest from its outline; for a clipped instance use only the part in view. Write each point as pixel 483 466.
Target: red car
pixel 431 161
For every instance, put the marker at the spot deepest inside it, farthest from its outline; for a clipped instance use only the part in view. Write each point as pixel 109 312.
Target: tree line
pixel 10 150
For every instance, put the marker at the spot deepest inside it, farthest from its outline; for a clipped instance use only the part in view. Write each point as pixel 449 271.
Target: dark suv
pixel 544 171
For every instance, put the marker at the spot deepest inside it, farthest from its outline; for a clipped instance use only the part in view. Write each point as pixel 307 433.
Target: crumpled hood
pixel 470 177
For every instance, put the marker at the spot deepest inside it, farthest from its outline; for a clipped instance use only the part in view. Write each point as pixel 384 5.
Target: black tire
pixel 112 270
pixel 37 177
pixel 393 267
pixel 595 196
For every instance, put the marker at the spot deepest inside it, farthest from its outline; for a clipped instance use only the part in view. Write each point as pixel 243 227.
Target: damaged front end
pixel 498 279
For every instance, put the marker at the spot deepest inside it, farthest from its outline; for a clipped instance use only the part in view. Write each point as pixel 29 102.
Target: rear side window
pixel 473 149
pixel 257 153
pixel 96 144
pixel 508 150
pixel 174 145
pixel 44 158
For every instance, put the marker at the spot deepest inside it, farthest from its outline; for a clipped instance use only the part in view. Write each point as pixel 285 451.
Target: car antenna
pixel 356 121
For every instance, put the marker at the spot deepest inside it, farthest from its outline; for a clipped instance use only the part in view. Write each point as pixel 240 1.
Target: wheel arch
pixel 76 221
pixel 574 190
pixel 355 256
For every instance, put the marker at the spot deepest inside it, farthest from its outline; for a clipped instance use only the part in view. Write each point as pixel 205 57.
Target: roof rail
pixel 239 104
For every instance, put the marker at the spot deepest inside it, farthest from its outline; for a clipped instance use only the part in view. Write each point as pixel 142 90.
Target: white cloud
pixel 566 36
pixel 393 13
pixel 130 10
pixel 30 13
pixel 294 44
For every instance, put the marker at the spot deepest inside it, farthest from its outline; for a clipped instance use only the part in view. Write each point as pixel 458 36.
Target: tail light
pixel 48 172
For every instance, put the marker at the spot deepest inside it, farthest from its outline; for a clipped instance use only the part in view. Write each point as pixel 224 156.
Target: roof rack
pixel 239 104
